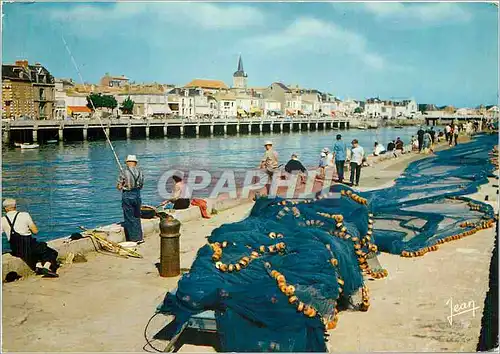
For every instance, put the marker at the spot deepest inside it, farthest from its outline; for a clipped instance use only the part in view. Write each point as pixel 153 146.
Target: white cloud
pixel 200 15
pixel 308 33
pixel 431 13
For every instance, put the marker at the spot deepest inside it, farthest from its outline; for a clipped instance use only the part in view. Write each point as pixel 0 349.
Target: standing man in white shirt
pixel 357 157
pixel 19 228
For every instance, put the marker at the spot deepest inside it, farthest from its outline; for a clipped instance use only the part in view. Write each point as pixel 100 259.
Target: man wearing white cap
pixel 19 228
pixel 269 162
pixel 130 182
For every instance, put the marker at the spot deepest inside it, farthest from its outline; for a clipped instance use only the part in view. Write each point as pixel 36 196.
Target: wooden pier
pixel 81 130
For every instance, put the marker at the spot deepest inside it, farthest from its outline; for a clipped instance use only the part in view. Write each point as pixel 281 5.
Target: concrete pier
pixel 193 128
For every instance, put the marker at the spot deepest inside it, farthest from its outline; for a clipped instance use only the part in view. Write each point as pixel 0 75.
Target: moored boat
pixel 29 146
pixel 398 127
pixel 362 127
pixel 51 141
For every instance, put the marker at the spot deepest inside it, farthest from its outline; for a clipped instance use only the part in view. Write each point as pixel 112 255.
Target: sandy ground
pixel 104 304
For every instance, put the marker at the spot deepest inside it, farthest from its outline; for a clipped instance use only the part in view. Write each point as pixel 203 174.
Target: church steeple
pixel 240 64
pixel 240 76
pixel 240 72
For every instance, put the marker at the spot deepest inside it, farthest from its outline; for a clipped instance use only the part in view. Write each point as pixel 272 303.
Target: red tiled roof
pixel 79 109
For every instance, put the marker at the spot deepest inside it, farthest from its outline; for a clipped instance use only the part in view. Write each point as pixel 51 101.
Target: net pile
pixel 426 206
pixel 277 279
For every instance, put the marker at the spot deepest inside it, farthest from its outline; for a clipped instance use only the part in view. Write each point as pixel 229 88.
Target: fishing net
pixel 277 279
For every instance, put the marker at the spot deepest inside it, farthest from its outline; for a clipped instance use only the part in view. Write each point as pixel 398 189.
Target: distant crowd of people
pixel 337 158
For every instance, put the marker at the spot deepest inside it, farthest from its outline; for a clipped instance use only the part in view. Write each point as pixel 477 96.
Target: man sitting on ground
pixel 295 166
pixel 399 145
pixel 378 149
pixel 19 227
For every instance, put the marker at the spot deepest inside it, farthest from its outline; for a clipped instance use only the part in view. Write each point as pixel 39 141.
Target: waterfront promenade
pixel 83 129
pixel 104 304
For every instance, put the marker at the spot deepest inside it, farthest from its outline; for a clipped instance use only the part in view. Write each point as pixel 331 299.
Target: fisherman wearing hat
pixel 19 228
pixel 130 182
pixel 269 162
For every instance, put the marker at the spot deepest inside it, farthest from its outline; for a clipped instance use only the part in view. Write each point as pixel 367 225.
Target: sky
pixel 442 53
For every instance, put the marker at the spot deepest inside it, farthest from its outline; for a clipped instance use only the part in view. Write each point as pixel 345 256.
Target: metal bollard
pixel 170 261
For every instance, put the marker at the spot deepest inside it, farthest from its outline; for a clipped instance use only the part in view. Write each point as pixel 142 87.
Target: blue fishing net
pixel 276 279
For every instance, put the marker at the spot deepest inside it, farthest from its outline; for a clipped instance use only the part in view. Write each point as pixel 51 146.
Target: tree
pixel 97 100
pixel 110 102
pixel 358 110
pixel 127 106
pixel 94 101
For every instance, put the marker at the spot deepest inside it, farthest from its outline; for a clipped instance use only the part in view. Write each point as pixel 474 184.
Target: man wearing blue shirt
pixel 339 149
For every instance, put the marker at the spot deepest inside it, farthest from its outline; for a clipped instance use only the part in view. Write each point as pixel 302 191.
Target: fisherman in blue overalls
pixel 130 183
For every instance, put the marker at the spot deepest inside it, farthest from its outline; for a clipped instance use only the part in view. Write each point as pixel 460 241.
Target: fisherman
pixel 322 165
pixel 340 151
pixel 391 146
pixel 432 132
pixel 378 149
pixel 329 157
pixel 19 228
pixel 399 145
pixel 269 163
pixel 357 159
pixel 130 182
pixel 420 137
pixel 447 131
pixel 294 165
pixel 455 134
pixel 181 194
pixel 414 143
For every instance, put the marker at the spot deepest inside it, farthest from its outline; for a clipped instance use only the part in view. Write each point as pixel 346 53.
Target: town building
pixel 28 91
pixel 227 104
pixel 193 102
pixel 146 104
pixel 114 81
pixel 240 77
pixel 277 92
pixel 212 86
pixel 61 97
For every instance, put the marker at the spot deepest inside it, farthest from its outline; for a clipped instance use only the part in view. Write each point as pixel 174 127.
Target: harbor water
pixel 70 184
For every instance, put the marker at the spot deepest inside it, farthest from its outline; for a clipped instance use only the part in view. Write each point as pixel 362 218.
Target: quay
pixel 38 310
pixel 78 130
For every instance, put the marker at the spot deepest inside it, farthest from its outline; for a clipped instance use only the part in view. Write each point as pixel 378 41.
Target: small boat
pixel 29 146
pixel 398 127
pixel 51 141
pixel 18 144
pixel 362 127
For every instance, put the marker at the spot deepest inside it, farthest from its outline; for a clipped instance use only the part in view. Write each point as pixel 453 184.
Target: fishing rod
pixel 92 102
